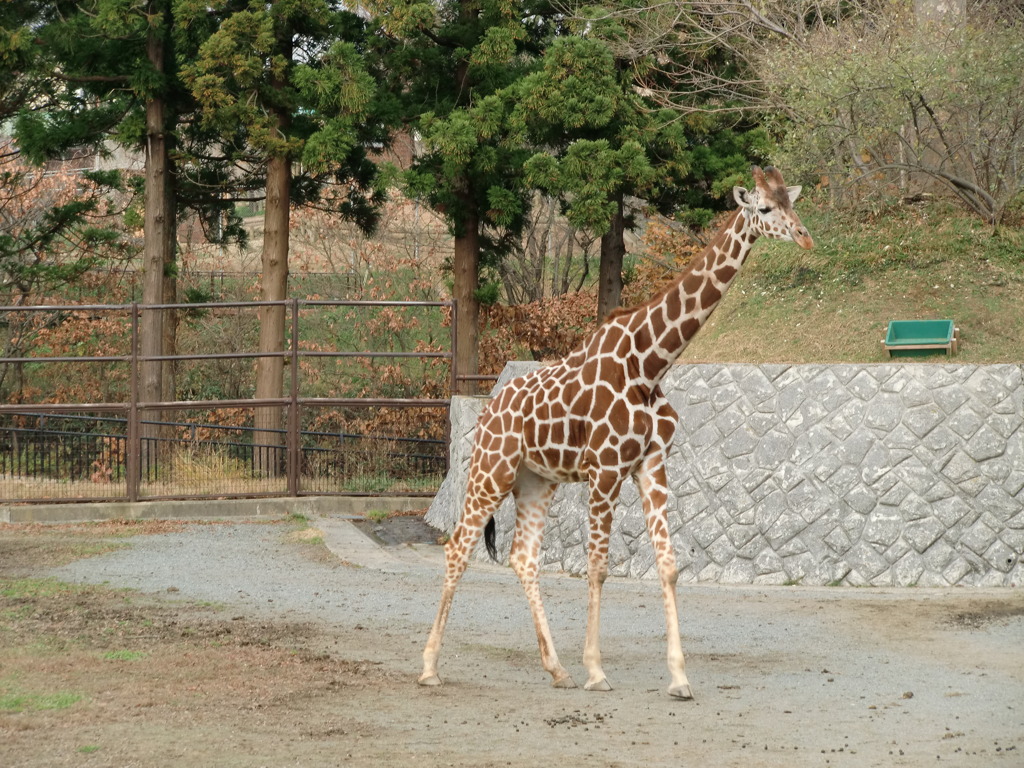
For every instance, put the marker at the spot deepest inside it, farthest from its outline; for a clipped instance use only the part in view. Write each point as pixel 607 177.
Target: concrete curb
pixel 319 506
pixel 352 546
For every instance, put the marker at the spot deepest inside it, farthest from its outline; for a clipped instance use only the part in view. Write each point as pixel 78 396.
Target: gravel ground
pixel 783 676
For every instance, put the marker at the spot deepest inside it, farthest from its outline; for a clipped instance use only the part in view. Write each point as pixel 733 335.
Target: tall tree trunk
pixel 613 249
pixel 274 284
pixel 274 287
pixel 466 267
pixel 157 255
pixel 466 257
pixel 170 296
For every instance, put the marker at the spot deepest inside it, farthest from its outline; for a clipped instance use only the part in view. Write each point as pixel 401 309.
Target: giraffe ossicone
pixel 598 415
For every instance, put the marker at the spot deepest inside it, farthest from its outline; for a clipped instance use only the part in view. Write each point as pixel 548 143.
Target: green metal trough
pixel 917 337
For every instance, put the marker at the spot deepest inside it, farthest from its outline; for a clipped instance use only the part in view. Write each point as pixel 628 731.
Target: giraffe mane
pixel 695 261
pixel 618 312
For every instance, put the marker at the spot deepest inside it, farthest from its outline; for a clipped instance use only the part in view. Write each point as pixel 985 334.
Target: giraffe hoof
pixel 680 692
pixel 431 681
pixel 564 682
pixel 600 685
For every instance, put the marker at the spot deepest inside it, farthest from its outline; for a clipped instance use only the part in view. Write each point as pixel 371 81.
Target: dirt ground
pixel 93 674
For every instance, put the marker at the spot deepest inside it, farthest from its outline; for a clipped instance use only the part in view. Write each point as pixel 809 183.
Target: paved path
pixel 786 670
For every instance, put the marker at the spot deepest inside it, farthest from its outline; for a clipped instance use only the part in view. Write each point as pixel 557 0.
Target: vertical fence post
pixel 294 443
pixel 134 442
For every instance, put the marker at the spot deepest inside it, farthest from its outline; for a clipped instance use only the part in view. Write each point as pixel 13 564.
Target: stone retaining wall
pixel 813 474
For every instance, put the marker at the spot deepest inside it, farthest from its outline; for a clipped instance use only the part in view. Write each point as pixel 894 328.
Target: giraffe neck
pixel 674 315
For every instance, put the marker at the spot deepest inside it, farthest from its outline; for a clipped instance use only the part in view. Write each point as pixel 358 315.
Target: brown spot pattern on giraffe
pixel 689 328
pixel 710 295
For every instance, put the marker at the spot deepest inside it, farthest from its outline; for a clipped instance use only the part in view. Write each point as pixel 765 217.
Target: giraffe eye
pixel 764 209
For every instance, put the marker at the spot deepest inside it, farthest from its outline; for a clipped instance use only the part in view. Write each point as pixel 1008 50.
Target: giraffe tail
pixel 490 533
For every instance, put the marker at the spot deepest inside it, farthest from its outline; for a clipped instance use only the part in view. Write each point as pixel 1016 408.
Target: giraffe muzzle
pixel 803 238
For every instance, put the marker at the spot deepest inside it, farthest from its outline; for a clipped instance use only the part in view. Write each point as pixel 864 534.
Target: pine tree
pixel 117 64
pixel 451 65
pixel 603 142
pixel 51 225
pixel 598 138
pixel 284 88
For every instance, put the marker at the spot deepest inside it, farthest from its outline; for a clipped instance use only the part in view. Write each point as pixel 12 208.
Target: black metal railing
pixel 117 450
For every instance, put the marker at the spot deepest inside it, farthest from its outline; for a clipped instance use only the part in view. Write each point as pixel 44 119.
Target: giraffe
pixel 599 415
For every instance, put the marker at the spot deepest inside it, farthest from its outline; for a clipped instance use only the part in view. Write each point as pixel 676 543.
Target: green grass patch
pixel 124 655
pixel 375 482
pixel 33 589
pixel 384 482
pixel 14 700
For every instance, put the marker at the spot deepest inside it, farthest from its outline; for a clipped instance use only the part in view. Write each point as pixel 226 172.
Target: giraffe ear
pixel 794 193
pixel 742 196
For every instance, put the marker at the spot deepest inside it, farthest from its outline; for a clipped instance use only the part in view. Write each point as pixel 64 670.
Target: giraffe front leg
pixel 597 573
pixel 533 496
pixel 604 490
pixel 679 688
pixel 654 492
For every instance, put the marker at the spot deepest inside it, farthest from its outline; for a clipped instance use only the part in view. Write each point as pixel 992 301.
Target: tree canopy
pixel 611 110
pixel 450 66
pixel 55 225
pixel 919 104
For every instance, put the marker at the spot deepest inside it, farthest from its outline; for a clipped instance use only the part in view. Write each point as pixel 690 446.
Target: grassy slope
pixel 833 304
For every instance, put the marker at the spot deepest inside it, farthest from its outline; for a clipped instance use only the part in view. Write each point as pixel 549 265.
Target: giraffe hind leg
pixel 456 556
pixel 533 497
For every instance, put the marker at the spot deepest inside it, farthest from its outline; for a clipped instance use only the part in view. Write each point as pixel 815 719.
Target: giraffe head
pixel 769 207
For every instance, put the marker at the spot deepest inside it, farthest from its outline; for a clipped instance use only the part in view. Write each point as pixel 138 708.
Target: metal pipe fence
pixel 219 284
pixel 124 448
